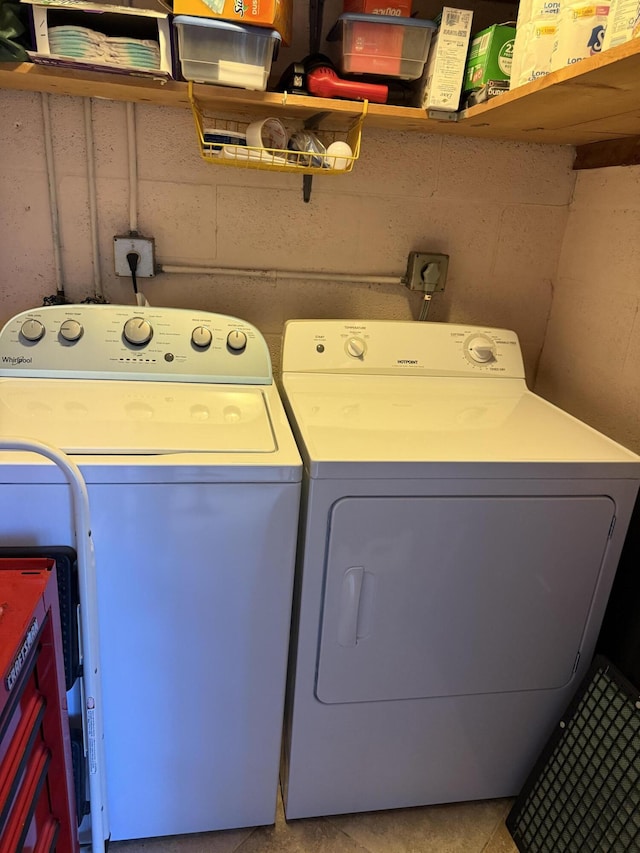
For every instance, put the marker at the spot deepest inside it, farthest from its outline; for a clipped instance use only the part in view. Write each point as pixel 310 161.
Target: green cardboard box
pixel 489 59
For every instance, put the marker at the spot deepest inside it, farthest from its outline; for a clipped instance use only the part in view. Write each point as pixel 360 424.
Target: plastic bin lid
pixel 192 21
pixel 357 17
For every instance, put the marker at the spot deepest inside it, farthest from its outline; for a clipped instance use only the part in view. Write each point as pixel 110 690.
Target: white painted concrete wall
pixel 591 359
pixel 498 209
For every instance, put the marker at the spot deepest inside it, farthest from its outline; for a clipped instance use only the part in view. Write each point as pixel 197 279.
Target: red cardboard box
pixel 399 8
pixel 374 49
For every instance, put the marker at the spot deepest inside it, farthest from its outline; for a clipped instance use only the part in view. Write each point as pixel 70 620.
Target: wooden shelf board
pixel 592 100
pixel 595 100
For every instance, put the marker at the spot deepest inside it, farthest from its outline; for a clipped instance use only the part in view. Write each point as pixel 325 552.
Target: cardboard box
pixel 275 14
pixel 441 83
pixel 624 23
pixel 113 21
pixel 491 89
pixel 400 8
pixel 490 58
pixel 372 49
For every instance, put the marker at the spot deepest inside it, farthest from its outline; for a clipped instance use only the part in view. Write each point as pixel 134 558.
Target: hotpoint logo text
pixel 407 361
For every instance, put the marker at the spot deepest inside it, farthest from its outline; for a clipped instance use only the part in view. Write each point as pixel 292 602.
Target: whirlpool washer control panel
pixel 388 347
pixel 133 342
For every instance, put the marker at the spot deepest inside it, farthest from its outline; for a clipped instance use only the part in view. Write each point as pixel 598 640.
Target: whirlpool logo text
pixel 14 360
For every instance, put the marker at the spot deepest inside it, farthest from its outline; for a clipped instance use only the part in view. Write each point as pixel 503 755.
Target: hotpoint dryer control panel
pixel 386 347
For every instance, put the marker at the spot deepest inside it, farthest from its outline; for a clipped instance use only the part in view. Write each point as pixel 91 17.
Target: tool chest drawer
pixel 37 809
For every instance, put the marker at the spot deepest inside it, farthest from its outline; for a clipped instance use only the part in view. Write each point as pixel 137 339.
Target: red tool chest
pixel 37 804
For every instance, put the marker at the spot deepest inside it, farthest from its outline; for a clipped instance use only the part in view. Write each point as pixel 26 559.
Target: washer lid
pixel 412 419
pixel 112 417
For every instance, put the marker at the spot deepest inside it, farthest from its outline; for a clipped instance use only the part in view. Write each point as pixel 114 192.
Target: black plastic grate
pixel 583 795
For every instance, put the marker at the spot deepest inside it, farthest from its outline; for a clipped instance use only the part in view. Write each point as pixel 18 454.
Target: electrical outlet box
pixel 426 272
pixel 143 247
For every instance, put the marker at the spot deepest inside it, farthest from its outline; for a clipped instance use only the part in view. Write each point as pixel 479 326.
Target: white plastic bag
pixel 535 37
pixel 580 33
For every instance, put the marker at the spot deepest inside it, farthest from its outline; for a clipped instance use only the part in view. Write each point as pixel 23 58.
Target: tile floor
pixel 459 828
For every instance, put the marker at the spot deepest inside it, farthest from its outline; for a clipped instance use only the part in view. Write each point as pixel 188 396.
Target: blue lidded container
pixel 224 53
pixel 383 45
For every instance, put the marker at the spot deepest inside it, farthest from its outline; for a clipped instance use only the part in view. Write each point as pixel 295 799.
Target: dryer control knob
pixel 32 330
pixel 481 349
pixel 137 331
pixel 356 347
pixel 71 330
pixel 236 340
pixel 201 337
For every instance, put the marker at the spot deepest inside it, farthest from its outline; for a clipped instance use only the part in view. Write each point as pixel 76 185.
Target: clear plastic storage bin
pixel 385 45
pixel 225 54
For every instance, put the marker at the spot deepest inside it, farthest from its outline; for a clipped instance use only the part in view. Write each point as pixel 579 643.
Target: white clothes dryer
pixel 459 537
pixel 193 479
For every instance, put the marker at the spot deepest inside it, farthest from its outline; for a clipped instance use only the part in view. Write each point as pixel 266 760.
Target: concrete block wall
pixel 498 209
pixel 591 359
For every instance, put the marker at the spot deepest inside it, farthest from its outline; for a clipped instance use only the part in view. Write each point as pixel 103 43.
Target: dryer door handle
pixel 349 606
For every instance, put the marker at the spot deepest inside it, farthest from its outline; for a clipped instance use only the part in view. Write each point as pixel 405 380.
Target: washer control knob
pixel 481 349
pixel 32 330
pixel 71 330
pixel 356 347
pixel 236 340
pixel 137 331
pixel 201 337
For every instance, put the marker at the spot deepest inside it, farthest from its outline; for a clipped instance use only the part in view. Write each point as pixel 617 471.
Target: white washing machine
pixel 194 483
pixel 459 538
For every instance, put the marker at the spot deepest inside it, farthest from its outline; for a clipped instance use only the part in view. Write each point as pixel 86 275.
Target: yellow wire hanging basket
pixel 222 141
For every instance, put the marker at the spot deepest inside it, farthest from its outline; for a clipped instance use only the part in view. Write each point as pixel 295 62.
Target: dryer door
pixel 442 596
